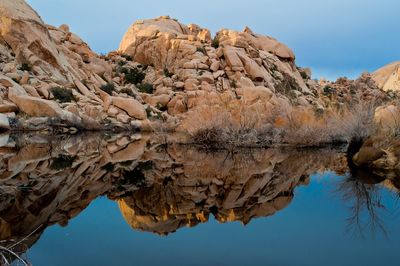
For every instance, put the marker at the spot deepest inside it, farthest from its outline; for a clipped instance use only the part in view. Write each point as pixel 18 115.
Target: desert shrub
pixel 133 75
pixel 127 57
pixel 167 73
pixel 210 138
pixel 149 112
pixel 127 91
pixel 61 94
pixel 109 88
pixel 62 162
pixel 287 84
pixel 201 50
pixel 14 122
pixel 25 67
pixel 143 67
pixel 108 167
pixel 215 42
pixel 146 88
pixel 328 90
pixel 161 108
pixel 244 126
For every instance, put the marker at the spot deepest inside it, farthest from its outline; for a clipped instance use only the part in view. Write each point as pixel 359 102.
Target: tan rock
pixel 177 105
pixel 8 108
pixel 31 91
pixel 4 123
pixel 215 66
pixel 123 118
pixel 191 84
pixel 388 77
pixel 388 117
pixel 134 108
pixel 232 58
pixel 25 78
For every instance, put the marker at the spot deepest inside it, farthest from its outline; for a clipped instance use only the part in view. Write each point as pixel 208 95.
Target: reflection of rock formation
pixel 185 187
pixel 160 188
pixel 46 181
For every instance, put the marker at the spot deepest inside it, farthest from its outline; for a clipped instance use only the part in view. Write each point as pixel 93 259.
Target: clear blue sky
pixel 333 37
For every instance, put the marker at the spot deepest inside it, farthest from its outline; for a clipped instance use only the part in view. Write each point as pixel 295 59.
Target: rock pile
pixel 40 64
pixel 194 70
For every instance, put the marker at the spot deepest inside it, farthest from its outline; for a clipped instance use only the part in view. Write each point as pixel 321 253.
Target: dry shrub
pixel 264 125
pixel 305 128
pixel 217 126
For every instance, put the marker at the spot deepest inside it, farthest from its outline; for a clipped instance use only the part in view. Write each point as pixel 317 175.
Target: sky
pixel 333 37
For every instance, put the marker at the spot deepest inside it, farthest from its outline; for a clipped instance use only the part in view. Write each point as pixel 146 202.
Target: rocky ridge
pixel 50 79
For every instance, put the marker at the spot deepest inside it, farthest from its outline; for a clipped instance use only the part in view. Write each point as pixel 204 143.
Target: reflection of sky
pixel 335 38
pixel 311 231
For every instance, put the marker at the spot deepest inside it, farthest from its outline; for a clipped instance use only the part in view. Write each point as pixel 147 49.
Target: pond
pixel 142 200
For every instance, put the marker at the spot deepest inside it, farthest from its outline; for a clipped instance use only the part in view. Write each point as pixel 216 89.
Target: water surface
pixel 134 200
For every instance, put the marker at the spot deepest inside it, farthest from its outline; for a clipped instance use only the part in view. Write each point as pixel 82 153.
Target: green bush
pixel 61 94
pixel 62 162
pixel 167 73
pixel 133 75
pixel 215 42
pixel 146 88
pixel 127 57
pixel 201 50
pixel 25 67
pixel 109 88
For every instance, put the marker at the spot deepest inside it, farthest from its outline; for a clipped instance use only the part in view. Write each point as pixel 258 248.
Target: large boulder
pixel 388 117
pixel 25 32
pixel 247 39
pixel 134 108
pixel 388 77
pixel 154 41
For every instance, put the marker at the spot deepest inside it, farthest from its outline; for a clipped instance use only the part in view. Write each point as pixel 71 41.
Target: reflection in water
pixel 361 191
pixel 159 188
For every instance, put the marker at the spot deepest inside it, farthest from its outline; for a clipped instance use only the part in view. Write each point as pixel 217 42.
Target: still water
pixel 134 200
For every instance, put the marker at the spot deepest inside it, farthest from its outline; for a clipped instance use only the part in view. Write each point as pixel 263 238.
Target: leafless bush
pixel 283 125
pixel 13 250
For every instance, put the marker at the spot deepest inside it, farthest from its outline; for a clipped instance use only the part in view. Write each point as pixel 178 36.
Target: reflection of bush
pixel 62 162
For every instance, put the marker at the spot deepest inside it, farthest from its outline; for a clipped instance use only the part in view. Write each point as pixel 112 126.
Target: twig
pixel 23 239
pixel 15 255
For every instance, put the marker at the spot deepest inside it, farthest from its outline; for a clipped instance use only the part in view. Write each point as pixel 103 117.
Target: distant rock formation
pixel 388 77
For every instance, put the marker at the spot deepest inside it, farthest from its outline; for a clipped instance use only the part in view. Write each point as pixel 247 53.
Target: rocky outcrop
pixel 195 70
pixel 50 77
pixel 388 77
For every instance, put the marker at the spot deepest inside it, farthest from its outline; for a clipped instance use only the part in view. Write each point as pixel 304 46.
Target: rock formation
pixel 51 79
pixel 194 70
pixel 388 77
pixel 36 59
